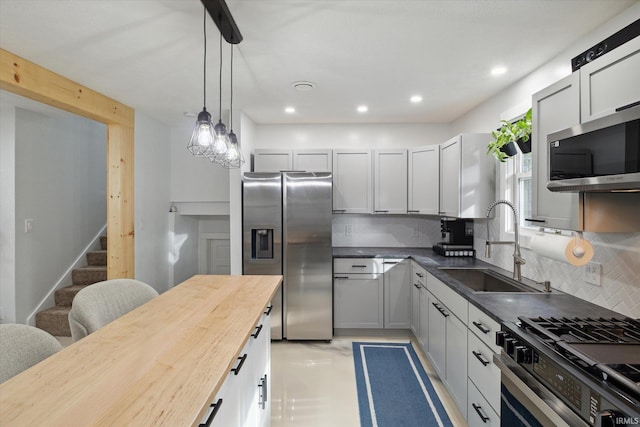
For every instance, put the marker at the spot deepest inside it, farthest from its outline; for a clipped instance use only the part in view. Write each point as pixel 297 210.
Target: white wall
pixel 152 183
pixel 183 247
pixel 7 212
pixel 60 168
pixel 194 179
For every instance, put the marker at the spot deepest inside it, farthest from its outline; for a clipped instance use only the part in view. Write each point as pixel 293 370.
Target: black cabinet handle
pixel 542 221
pixel 358 266
pixel 420 275
pixel 339 210
pixel 382 211
pixel 480 357
pixel 440 309
pixel 216 407
pixel 242 359
pixel 416 285
pixel 262 386
pixel 390 262
pixel 482 416
pixel 268 311
pixel 258 330
pixel 340 277
pixel 482 328
pixel 412 211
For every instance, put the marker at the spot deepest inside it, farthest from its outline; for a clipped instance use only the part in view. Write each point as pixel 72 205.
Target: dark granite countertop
pixel 502 307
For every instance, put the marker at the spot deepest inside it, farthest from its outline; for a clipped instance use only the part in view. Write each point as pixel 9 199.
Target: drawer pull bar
pixel 340 277
pixel 440 309
pixel 420 275
pixel 390 262
pixel 258 330
pixel 482 416
pixel 416 285
pixel 242 359
pixel 384 211
pixel 481 327
pixel 262 386
pixel 268 310
pixel 339 210
pixel 480 357
pixel 358 266
pixel 216 407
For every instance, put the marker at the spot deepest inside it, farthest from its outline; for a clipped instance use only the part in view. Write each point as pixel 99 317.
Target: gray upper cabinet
pixel 424 180
pixel 611 81
pixel 313 160
pixel 390 182
pixel 272 160
pixel 352 181
pixel 467 176
pixel 555 108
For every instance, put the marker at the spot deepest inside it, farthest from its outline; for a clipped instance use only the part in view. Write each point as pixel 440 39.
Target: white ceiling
pixel 148 53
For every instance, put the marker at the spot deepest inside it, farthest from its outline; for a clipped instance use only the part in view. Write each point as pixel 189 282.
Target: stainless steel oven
pixel 570 372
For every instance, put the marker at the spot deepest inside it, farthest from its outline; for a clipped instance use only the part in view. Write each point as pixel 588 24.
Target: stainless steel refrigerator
pixel 286 229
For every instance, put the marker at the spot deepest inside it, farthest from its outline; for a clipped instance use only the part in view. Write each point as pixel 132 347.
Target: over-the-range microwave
pixel 600 155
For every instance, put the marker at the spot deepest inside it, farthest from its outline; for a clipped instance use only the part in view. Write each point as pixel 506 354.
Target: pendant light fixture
pixel 202 137
pixel 233 158
pixel 220 137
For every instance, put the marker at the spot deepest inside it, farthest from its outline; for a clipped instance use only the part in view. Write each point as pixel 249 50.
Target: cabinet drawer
pixel 483 372
pixel 484 327
pixel 454 302
pixel 357 265
pixel 419 274
pixel 479 413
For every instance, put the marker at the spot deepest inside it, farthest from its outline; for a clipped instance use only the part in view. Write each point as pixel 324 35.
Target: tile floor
pixel 314 383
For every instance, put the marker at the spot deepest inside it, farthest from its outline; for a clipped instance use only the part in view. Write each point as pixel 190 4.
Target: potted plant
pixel 509 134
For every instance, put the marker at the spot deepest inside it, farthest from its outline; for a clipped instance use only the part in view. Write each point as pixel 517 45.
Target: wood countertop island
pixel 159 365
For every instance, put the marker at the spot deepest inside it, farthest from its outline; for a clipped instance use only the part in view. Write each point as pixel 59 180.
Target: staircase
pixel 55 320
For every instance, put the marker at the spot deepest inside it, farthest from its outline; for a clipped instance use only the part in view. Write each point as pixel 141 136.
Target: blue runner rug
pixel 393 388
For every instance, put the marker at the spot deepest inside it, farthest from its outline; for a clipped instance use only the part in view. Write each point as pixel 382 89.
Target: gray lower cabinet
pixel 358 293
pixel 479 412
pixel 397 294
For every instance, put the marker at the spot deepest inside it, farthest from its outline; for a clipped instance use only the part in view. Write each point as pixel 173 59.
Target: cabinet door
pixel 479 412
pixel 358 301
pixel 397 294
pixel 424 319
pixel 266 160
pixel 436 334
pixel 312 160
pixel 390 172
pixel 554 108
pixel 611 81
pixel 415 310
pixel 352 181
pixel 456 364
pixel 424 180
pixel 450 177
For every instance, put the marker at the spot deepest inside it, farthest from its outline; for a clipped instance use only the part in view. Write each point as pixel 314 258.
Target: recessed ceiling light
pixel 416 98
pixel 498 71
pixel 363 108
pixel 303 86
pixel 289 110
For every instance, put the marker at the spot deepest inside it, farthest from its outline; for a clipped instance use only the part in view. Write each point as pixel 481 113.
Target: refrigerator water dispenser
pixel 262 243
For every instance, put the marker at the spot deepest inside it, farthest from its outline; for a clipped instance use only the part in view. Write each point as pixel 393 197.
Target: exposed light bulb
pixel 202 136
pixel 221 140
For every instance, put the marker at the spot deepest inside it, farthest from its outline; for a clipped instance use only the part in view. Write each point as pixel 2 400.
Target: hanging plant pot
pixel 509 149
pixel 525 146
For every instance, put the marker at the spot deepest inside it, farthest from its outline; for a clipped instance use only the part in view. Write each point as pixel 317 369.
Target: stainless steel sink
pixel 485 280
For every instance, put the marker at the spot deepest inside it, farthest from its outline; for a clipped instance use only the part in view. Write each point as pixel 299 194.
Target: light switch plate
pixel 593 273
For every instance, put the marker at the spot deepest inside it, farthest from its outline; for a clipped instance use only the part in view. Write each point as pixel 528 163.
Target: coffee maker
pixel 457 238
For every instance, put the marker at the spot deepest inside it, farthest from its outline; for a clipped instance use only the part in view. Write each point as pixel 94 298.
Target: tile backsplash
pixel 619 254
pixel 385 231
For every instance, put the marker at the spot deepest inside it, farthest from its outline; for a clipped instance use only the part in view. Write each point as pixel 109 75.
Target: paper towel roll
pixel 572 250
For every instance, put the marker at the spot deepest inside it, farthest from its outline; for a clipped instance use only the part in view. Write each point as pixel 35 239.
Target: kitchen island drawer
pixel 357 265
pixel 484 327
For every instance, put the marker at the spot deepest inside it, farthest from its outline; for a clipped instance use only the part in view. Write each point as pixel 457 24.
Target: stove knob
pixel 510 345
pixel 500 336
pixel 523 354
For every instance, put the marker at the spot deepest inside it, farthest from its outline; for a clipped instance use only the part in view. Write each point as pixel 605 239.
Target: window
pixel 518 190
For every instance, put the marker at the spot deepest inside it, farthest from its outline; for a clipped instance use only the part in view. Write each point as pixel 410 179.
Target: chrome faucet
pixel 517 258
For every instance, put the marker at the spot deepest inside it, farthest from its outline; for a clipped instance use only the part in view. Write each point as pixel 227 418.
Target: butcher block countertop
pixel 159 365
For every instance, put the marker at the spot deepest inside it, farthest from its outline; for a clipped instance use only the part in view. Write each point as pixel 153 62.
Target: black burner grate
pixel 587 330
